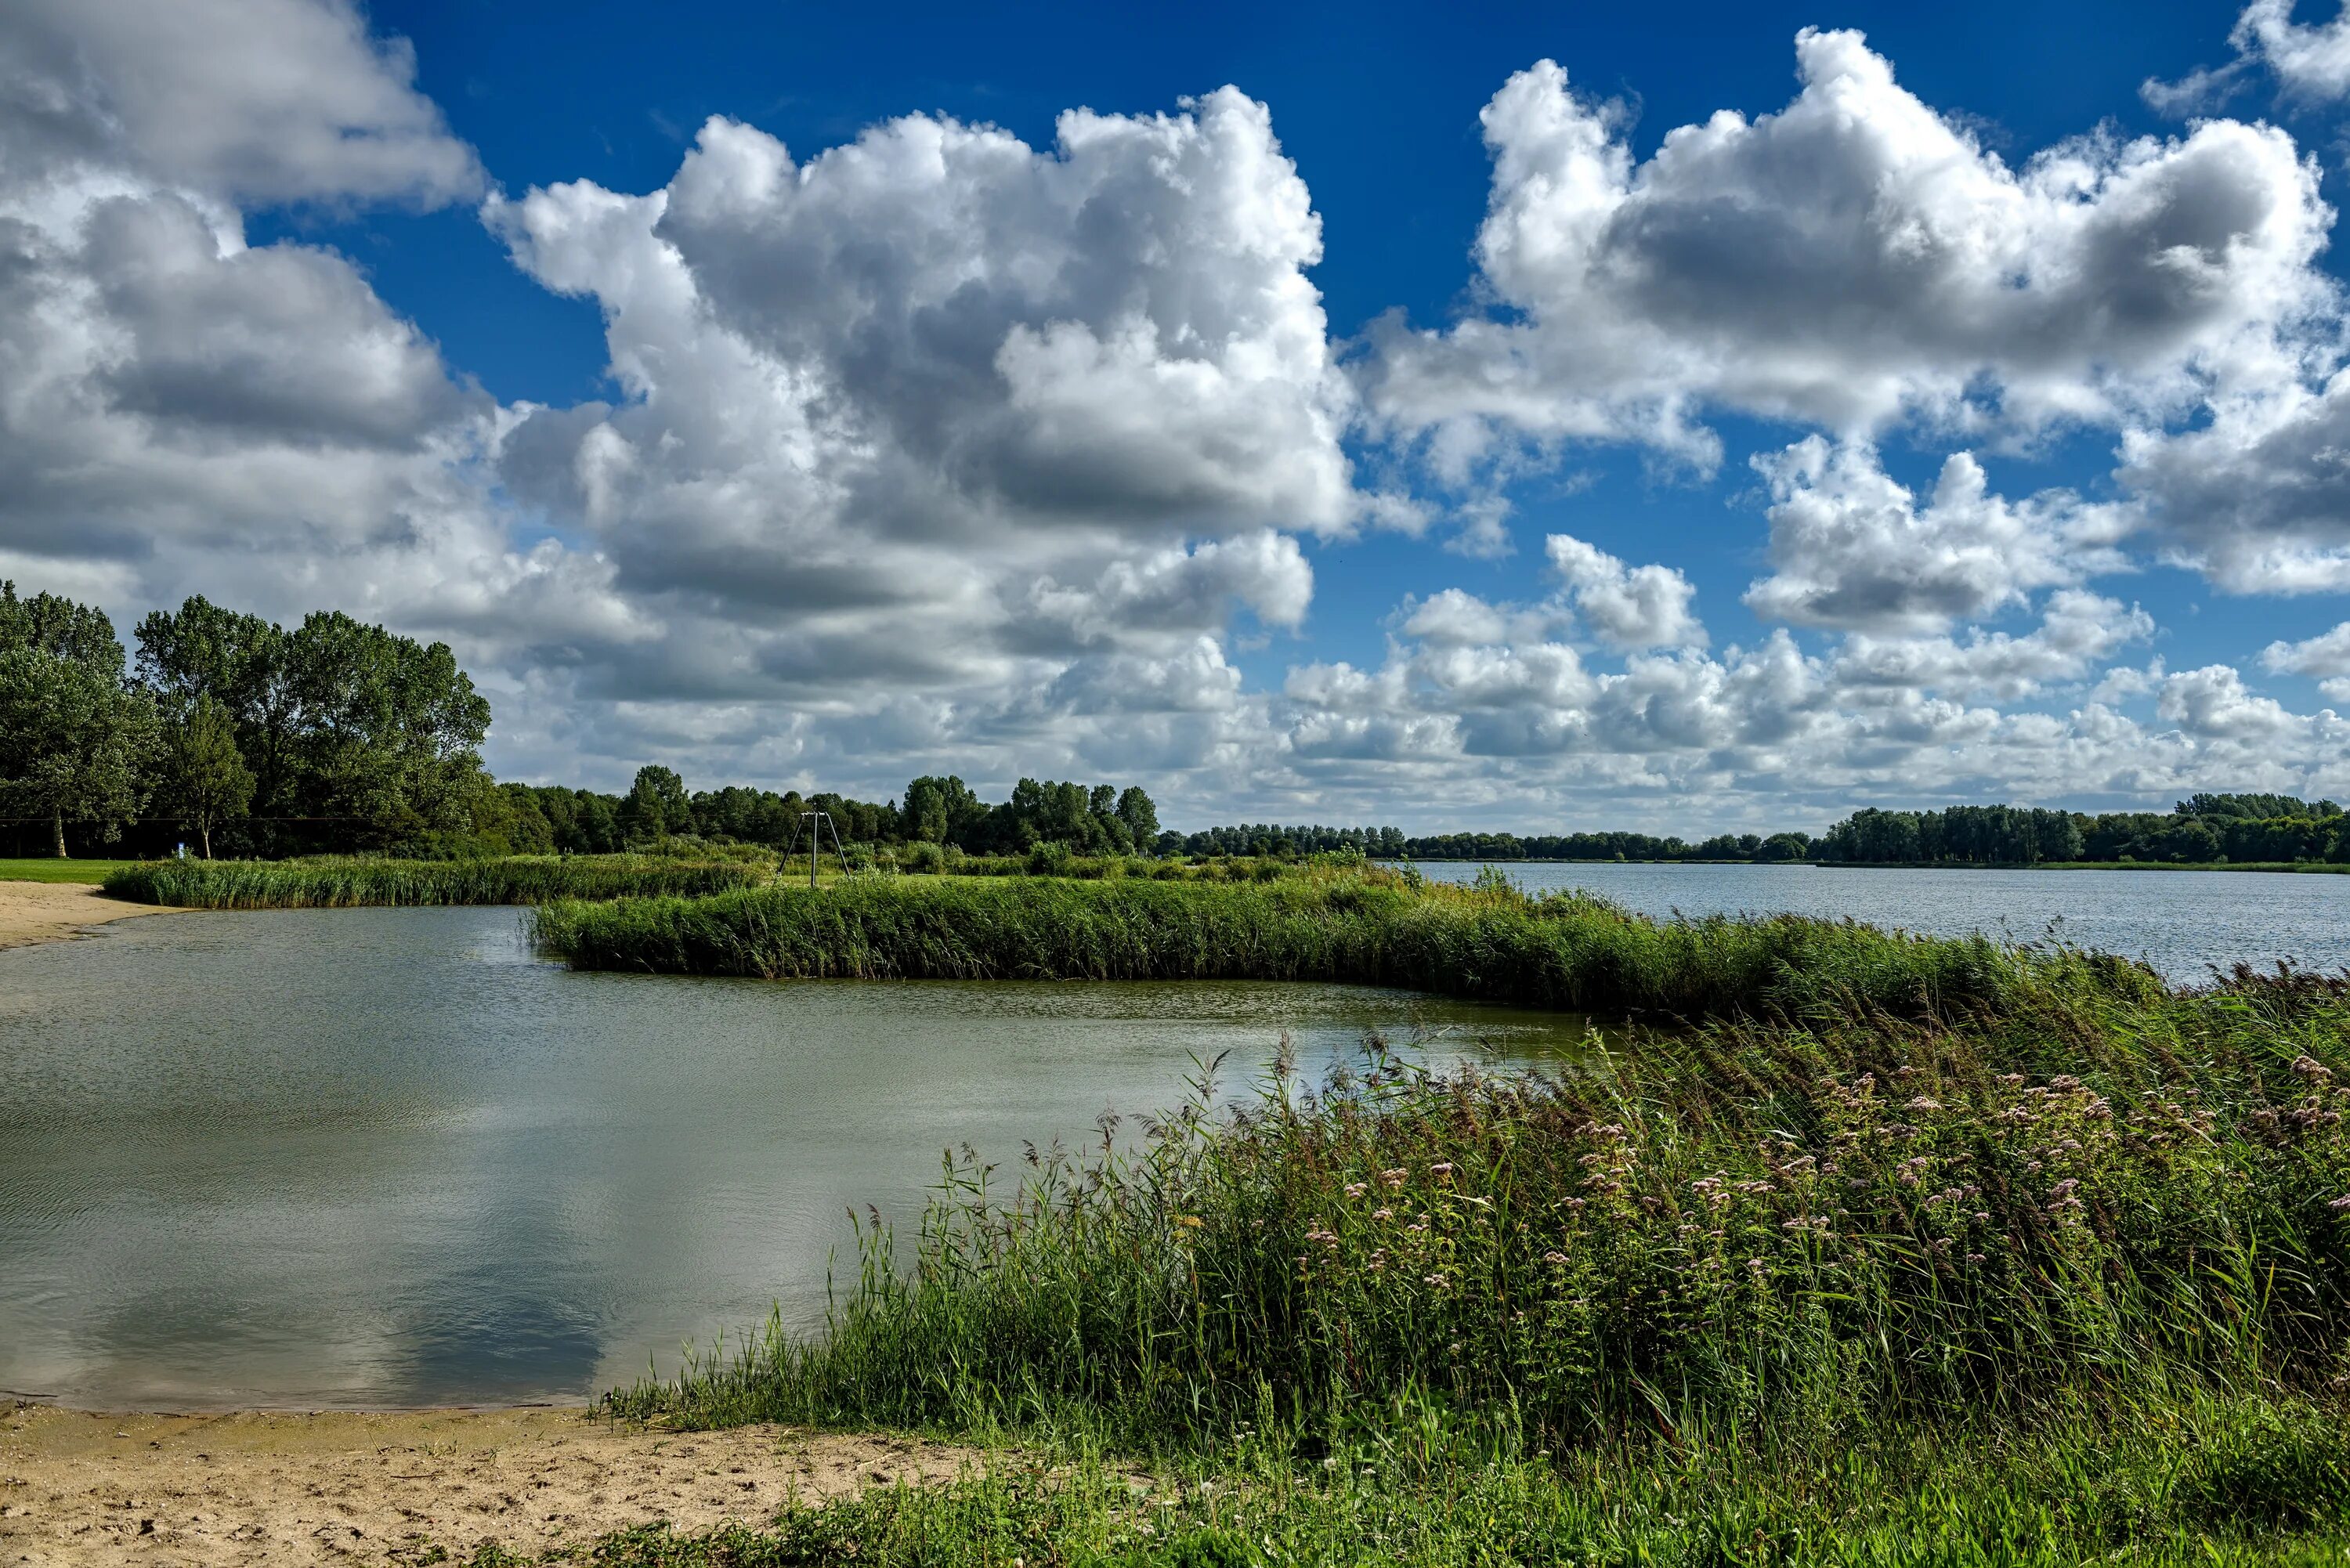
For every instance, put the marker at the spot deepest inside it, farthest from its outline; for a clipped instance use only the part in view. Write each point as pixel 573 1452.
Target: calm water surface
pixel 2178 921
pixel 386 1157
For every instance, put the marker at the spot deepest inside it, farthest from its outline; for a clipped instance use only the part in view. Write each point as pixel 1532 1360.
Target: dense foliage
pixel 334 735
pixel 76 738
pixel 2201 829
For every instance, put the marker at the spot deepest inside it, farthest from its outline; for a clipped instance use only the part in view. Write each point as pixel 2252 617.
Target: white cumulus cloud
pixel 1854 259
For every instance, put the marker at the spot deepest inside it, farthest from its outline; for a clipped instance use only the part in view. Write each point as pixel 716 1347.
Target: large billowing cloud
pixel 937 411
pixel 1854 259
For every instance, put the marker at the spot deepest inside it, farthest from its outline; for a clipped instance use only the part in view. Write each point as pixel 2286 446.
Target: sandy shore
pixel 51 911
pixel 80 1488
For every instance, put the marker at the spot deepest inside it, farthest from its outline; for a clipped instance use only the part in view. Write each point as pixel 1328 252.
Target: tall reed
pixel 344 883
pixel 1570 952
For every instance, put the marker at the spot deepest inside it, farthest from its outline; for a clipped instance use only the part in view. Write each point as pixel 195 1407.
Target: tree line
pixel 1089 819
pixel 2199 830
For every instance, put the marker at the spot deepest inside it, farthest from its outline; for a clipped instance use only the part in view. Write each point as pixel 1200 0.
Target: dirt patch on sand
pixel 77 1488
pixel 51 911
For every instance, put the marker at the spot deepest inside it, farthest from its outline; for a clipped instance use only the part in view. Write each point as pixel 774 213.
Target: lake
pixel 2178 921
pixel 390 1158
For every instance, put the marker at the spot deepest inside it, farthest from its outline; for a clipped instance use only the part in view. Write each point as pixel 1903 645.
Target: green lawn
pixel 53 870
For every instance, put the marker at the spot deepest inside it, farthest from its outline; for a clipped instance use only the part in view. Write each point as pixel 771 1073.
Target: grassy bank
pixel 2251 1484
pixel 345 883
pixel 1568 951
pixel 53 870
pixel 2069 1283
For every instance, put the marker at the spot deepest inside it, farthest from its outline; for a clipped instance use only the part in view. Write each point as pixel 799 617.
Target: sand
pixel 52 911
pixel 347 1488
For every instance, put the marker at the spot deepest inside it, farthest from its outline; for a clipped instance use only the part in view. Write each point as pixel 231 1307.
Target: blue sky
pixel 2035 237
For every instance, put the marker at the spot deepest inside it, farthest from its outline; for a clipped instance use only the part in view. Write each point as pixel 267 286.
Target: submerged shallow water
pixel 390 1158
pixel 2178 921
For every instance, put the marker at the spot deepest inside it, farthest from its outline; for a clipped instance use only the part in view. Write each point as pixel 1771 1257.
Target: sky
pixel 1700 419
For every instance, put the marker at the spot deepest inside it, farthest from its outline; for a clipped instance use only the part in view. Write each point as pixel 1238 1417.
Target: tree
pixel 75 737
pixel 205 780
pixel 1141 818
pixel 244 663
pixel 656 804
pixel 373 737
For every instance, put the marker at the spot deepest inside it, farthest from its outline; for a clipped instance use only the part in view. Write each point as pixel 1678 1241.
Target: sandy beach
pixel 77 1487
pixel 53 911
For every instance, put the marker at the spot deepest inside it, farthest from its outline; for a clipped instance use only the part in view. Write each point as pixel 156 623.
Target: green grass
pixel 1569 951
pixel 342 883
pixel 50 869
pixel 2248 1483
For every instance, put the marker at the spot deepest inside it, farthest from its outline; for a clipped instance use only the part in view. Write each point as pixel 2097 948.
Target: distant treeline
pixel 2200 830
pixel 1393 844
pixel 1090 819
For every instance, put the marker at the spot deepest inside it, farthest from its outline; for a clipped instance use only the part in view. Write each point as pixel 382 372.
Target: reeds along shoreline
pixel 1568 952
pixel 1782 1254
pixel 341 884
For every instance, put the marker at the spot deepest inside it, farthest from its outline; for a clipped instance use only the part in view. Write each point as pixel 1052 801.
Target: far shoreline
pixel 2319 867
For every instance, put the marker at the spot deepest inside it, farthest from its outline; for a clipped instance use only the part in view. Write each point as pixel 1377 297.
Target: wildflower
pixel 1190 1221
pixel 1923 1103
pixel 1382 1213
pixel 1974 1257
pixel 1558 1260
pixel 1982 1217
pixel 2339 1205
pixel 1354 1190
pixel 2308 1068
pixel 1442 1170
pixel 1393 1178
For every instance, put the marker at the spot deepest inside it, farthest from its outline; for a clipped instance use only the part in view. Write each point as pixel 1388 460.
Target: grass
pixel 1570 952
pixel 2245 1483
pixel 340 883
pixel 1851 1291
pixel 50 869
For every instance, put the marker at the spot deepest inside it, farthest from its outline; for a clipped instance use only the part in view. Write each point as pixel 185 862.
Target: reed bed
pixel 1820 1228
pixel 1568 951
pixel 328 884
